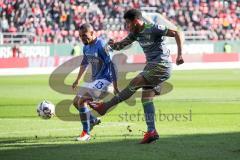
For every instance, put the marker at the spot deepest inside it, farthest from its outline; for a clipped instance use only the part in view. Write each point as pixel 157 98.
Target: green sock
pixel 122 96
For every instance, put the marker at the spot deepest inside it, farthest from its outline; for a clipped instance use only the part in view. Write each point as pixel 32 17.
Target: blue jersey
pixel 98 57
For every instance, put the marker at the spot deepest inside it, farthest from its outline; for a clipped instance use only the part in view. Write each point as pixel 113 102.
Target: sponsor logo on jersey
pixel 148 43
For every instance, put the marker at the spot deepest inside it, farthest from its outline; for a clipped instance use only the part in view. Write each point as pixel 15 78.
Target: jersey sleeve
pixel 84 60
pixel 125 42
pixel 160 30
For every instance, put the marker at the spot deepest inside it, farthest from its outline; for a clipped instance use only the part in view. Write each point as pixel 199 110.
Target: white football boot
pixel 83 137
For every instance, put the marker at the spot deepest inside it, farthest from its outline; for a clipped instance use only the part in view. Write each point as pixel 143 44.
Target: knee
pixel 77 102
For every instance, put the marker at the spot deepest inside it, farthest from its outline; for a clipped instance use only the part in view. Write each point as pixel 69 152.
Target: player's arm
pixel 122 44
pixel 176 35
pixel 82 69
pixel 114 78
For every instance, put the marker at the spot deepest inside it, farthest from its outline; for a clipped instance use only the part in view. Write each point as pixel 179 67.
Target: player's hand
pixel 179 60
pixel 74 85
pixel 111 42
pixel 116 91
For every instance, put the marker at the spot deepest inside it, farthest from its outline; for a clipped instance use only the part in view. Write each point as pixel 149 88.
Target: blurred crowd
pixel 57 21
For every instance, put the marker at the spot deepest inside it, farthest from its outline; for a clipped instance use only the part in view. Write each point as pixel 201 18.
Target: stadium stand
pixel 57 21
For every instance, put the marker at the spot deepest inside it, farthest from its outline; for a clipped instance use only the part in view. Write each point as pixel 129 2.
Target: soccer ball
pixel 46 110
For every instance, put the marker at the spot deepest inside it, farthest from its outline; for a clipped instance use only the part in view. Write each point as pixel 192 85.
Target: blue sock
pixel 149 112
pixel 92 117
pixel 85 118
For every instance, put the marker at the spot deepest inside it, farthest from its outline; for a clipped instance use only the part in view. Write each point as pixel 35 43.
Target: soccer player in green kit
pixel 157 69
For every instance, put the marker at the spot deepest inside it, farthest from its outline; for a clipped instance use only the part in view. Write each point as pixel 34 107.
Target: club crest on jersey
pixel 161 27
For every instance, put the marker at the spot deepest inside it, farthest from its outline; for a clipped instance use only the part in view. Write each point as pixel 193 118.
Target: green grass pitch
pixel 211 133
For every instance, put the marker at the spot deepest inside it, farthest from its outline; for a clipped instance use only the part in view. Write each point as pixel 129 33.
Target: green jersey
pixel 151 39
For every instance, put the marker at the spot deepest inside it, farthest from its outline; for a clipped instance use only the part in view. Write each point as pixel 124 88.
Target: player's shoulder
pixel 100 42
pixel 152 27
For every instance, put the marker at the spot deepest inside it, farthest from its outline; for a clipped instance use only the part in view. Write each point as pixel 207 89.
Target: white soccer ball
pixel 46 110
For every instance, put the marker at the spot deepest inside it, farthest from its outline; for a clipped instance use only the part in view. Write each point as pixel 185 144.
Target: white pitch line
pixel 185 66
pixel 104 124
pixel 207 65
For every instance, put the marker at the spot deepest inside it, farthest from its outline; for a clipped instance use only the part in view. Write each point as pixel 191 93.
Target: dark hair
pixel 86 26
pixel 133 14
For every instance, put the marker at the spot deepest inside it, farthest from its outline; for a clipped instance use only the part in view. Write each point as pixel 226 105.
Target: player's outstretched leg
pixel 126 93
pixel 149 112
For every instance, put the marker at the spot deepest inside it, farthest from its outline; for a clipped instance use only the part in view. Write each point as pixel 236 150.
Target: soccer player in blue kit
pixel 95 52
pixel 157 69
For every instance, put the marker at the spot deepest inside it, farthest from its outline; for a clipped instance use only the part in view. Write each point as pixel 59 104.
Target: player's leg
pixel 152 75
pixel 127 92
pixel 138 82
pixel 148 94
pixel 148 107
pixel 155 75
pixel 93 91
pixel 84 114
pixel 93 118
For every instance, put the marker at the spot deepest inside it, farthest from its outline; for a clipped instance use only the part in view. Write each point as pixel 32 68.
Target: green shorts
pixel 156 74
